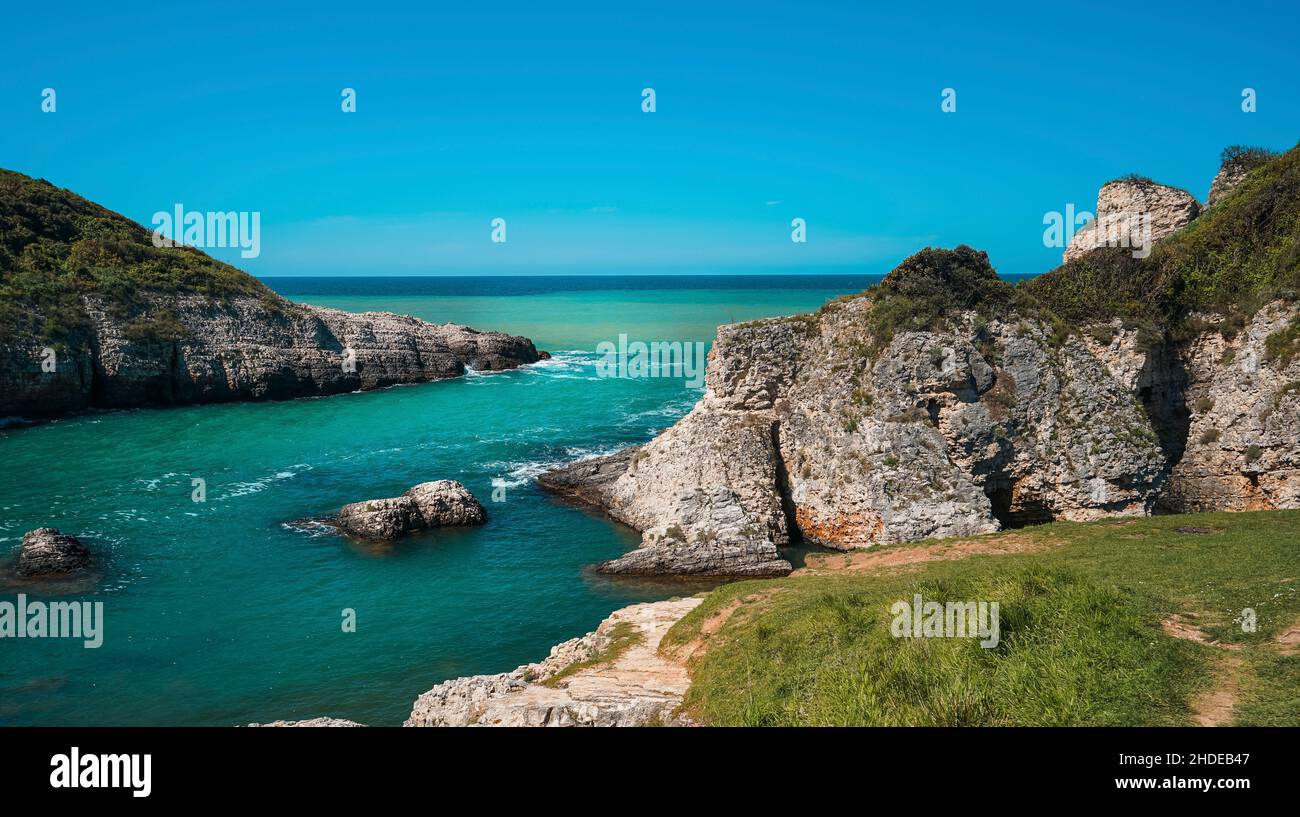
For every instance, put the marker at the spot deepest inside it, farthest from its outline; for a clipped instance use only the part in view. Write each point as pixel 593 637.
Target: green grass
pixel 622 637
pixel 1081 636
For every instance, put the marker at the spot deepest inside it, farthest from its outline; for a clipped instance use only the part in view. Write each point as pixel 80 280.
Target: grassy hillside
pixel 1082 642
pixel 56 246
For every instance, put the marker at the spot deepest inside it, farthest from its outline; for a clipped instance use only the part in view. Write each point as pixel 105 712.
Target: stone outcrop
pixel 242 348
pixel 1237 163
pixel 806 433
pixel 310 722
pixel 1225 181
pixel 613 676
pixel 45 552
pixel 425 506
pixel 1133 212
pixel 1242 432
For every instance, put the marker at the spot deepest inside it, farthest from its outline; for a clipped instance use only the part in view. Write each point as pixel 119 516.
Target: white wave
pixel 239 489
pixel 522 473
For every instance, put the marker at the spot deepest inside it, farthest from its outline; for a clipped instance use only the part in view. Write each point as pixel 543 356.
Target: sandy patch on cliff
pixel 883 558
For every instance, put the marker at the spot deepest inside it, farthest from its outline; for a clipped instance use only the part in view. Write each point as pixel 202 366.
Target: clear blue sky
pixel 532 112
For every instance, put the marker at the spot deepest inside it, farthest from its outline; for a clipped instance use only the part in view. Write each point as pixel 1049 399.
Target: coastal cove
pixel 216 613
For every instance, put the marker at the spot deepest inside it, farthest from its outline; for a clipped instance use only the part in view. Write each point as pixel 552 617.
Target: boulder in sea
pixel 47 552
pixel 427 505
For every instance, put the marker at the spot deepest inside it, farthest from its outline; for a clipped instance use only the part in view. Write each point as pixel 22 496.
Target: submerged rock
pixel 47 552
pixel 427 505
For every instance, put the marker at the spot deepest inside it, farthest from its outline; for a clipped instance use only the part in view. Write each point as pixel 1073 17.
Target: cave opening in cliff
pixel 1014 509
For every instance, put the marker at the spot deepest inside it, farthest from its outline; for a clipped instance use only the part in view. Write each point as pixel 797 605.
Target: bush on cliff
pixel 1233 258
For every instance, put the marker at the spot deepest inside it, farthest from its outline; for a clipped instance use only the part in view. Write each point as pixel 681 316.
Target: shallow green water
pixel 219 613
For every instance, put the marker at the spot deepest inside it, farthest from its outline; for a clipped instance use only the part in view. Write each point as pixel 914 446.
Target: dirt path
pixel 699 645
pixel 1288 643
pixel 874 560
pixel 1213 706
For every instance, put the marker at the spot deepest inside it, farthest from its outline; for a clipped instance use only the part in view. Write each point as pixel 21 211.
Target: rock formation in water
pixel 423 507
pixel 45 552
pixel 946 402
pixel 92 314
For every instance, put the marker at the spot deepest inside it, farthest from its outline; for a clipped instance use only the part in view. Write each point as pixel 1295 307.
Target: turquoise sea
pixel 218 613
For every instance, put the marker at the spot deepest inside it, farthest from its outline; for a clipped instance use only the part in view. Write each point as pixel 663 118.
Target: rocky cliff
pixel 615 675
pixel 93 315
pixel 1134 212
pixel 945 402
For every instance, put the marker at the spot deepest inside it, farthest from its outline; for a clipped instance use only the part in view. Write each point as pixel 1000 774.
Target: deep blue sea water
pixel 218 613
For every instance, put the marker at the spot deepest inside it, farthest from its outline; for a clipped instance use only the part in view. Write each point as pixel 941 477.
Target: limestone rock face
pixel 1243 429
pixel 427 505
pixel 1131 212
pixel 1237 163
pixel 241 348
pixel 47 552
pixel 581 683
pixel 311 722
pixel 807 433
pixel 1225 181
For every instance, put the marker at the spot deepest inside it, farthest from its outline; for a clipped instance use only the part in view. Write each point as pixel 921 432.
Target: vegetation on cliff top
pixel 56 246
pixel 1081 636
pixel 1232 259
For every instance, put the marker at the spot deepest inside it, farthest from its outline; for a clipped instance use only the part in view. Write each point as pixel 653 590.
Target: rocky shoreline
pixel 822 429
pixel 613 676
pixel 96 314
pixel 243 348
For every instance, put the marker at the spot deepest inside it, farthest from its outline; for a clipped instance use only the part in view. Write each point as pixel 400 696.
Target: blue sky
pixel 531 112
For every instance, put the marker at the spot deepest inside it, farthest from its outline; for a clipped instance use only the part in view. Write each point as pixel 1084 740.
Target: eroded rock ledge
pixel 613 676
pixel 240 348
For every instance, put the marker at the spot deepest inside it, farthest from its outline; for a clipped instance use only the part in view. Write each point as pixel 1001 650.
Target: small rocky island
pixel 427 505
pixel 93 315
pixel 48 553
